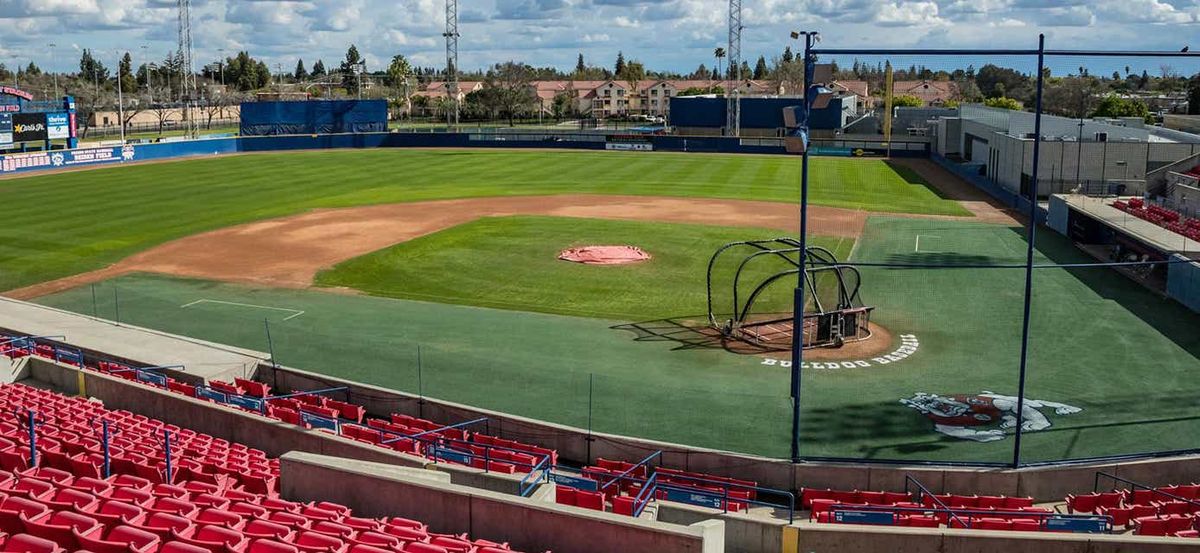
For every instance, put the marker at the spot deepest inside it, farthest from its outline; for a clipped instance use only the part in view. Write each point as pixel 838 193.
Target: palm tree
pixel 719 53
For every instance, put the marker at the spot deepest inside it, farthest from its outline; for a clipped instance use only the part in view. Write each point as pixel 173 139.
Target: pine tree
pixel 300 74
pixel 580 67
pixel 318 69
pixel 787 55
pixel 619 69
pixel 760 69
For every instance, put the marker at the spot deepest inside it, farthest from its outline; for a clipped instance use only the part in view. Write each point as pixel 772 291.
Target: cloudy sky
pixel 666 34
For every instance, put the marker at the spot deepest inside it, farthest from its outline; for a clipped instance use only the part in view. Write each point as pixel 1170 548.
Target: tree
pixel 507 89
pixel 564 104
pixel 91 69
pixel 619 68
pixel 5 74
pixel 907 101
pixel 300 74
pixel 760 69
pixel 1194 95
pixel 350 69
pixel 246 73
pixel 788 57
pixel 33 70
pixel 787 76
pixel 1116 106
pixel 1071 96
pixel 580 67
pixel 995 82
pixel 129 83
pixel 1003 103
pixel 718 53
pixel 318 69
pixel 399 75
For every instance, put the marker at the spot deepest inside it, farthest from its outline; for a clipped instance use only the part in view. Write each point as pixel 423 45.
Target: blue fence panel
pixel 151 377
pixel 693 498
pixel 246 402
pixel 209 393
pixel 576 482
pixel 316 421
pixel 452 455
pixel 1080 525
pixel 878 518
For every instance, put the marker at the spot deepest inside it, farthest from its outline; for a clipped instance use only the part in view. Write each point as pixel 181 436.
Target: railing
pixel 1072 523
pixel 1136 485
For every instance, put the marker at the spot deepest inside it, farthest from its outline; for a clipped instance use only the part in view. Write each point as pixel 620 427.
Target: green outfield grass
pixel 1125 356
pixel 512 263
pixel 61 224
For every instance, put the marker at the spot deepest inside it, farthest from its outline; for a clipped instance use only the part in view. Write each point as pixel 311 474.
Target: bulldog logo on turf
pixel 983 417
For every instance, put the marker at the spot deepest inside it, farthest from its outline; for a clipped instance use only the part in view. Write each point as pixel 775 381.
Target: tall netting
pixel 1104 364
pixel 937 334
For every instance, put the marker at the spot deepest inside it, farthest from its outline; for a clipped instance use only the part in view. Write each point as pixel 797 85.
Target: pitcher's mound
pixel 604 255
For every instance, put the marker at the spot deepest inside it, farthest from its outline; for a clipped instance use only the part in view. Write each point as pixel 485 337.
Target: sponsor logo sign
pixel 29 127
pixel 57 125
pixel 6 129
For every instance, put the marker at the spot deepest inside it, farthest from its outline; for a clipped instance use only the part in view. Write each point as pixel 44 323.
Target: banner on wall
pixel 57 125
pixel 6 130
pixel 66 158
pixel 29 127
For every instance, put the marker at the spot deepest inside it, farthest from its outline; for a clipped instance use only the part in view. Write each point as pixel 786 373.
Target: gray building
pixel 1092 153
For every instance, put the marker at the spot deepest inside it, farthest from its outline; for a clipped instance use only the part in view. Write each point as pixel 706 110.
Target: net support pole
pixel 1029 250
pixel 798 296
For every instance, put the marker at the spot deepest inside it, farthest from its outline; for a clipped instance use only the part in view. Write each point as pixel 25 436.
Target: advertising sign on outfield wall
pixel 29 127
pixel 6 130
pixel 57 125
pixel 66 158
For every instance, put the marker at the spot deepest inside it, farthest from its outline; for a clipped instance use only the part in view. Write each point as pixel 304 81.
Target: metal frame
pixel 817 260
pixel 733 111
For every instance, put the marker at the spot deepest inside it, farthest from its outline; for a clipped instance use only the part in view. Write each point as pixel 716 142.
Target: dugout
pixel 1111 235
pixel 313 117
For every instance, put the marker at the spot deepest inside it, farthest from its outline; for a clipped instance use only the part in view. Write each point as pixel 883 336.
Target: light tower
pixel 733 111
pixel 451 35
pixel 187 80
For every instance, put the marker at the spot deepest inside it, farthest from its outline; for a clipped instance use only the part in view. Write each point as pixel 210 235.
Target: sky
pixel 673 35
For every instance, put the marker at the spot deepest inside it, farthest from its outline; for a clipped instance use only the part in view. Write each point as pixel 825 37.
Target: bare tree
pixel 787 76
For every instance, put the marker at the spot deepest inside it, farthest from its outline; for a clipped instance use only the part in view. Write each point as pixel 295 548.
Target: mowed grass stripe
pixel 62 224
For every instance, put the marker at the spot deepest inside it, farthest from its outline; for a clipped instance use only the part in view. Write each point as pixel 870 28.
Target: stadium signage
pixel 574 481
pixel 10 91
pixel 29 127
pixel 692 498
pixel 152 378
pixel 908 347
pixel 627 146
pixel 65 158
pixel 57 125
pixel 6 129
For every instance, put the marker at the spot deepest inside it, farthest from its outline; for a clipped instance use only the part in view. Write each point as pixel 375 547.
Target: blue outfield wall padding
pixel 313 117
pixel 107 155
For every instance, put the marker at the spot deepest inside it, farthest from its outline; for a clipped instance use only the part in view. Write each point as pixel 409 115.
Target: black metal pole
pixel 420 385
pixel 270 343
pixel 591 376
pixel 116 305
pixel 798 296
pixel 1033 194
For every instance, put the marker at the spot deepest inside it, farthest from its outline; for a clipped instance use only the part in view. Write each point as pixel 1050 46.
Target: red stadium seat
pixel 120 539
pixel 61 526
pixel 25 543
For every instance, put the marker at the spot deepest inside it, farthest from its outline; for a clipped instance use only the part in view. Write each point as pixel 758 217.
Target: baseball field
pixel 436 272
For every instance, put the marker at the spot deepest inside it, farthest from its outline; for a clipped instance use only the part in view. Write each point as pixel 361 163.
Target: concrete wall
pixel 744 533
pixel 526 524
pixel 830 538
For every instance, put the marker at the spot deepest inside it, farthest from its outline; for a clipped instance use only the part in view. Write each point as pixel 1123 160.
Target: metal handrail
pixel 923 489
pixel 969 512
pixel 1136 485
pixel 645 495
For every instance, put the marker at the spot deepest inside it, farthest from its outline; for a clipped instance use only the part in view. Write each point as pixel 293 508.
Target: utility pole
pixel 120 98
pixel 54 73
pixel 187 84
pixel 733 111
pixel 451 35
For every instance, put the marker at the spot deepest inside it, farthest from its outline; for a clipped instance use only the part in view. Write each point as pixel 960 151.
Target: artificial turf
pixel 1124 355
pixel 512 263
pixel 61 224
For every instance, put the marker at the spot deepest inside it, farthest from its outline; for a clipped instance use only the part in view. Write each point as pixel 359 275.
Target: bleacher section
pixel 1160 511
pixel 1166 218
pixel 214 497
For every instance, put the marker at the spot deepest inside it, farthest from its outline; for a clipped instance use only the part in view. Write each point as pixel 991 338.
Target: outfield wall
pixel 133 153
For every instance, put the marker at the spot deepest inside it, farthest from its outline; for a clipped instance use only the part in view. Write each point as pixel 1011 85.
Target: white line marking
pixel 917 246
pixel 294 312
